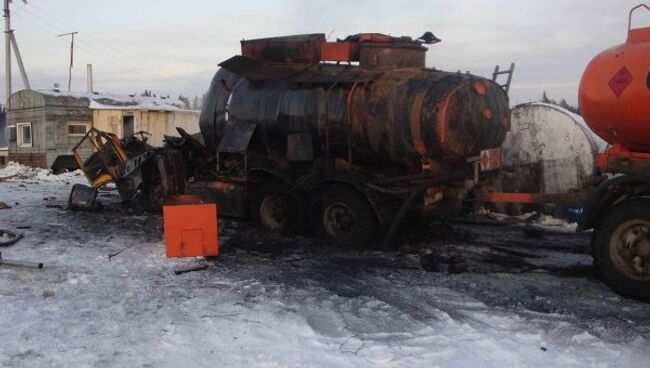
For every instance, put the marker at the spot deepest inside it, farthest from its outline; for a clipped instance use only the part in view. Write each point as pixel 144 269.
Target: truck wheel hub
pixel 630 249
pixel 274 212
pixel 338 219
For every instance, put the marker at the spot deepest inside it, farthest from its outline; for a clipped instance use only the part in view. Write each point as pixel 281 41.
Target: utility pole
pixel 71 55
pixel 10 40
pixel 7 52
pixel 19 59
pixel 89 78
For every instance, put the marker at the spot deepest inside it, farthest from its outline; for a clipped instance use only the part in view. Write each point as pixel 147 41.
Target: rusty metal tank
pixel 368 99
pixel 615 91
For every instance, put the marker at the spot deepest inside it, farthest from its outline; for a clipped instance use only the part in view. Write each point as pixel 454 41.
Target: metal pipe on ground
pixel 21 264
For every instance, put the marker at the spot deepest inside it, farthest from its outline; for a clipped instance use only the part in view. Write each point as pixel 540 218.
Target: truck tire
pixel 621 248
pixel 279 208
pixel 345 218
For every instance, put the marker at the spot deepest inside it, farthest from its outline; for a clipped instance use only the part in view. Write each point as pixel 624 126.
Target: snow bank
pixel 17 171
pixel 550 222
pixel 292 305
pixel 557 223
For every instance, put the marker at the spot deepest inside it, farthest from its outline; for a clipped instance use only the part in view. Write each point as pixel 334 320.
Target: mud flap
pixel 82 197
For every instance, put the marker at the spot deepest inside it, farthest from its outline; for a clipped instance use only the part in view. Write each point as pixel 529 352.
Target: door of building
pixel 128 128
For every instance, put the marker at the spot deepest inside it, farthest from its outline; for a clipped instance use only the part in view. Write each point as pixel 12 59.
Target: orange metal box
pixel 339 51
pixel 190 225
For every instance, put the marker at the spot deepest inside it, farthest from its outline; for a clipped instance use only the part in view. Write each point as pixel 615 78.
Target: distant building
pixel 44 125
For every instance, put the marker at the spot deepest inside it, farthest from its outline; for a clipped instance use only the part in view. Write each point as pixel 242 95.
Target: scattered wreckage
pixel 351 136
pixel 142 174
pixel 8 238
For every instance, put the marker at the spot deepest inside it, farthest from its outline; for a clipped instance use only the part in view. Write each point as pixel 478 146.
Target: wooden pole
pixel 7 51
pixel 71 56
pixel 19 59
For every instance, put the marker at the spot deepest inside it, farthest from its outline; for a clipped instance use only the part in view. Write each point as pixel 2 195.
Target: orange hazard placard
pixel 490 159
pixel 620 81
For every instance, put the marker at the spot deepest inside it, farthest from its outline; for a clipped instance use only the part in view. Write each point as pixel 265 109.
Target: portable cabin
pixel 44 125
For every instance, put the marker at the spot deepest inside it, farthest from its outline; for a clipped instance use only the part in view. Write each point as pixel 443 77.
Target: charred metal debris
pixel 350 136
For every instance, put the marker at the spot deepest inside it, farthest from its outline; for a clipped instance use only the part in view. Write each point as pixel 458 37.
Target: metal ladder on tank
pixel 508 72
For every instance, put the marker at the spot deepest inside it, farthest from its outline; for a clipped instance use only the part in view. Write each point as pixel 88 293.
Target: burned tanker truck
pixel 349 137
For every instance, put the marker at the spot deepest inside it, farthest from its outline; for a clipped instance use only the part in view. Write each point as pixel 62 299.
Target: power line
pixel 84 34
pixel 92 49
pixel 119 60
pixel 91 52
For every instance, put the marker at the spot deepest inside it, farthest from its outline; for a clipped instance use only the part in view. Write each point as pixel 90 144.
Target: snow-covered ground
pixel 273 302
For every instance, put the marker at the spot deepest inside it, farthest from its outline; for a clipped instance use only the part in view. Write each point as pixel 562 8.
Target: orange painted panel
pixel 511 197
pixel 615 91
pixel 339 51
pixel 190 226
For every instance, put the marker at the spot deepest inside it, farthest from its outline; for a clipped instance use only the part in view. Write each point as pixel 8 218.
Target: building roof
pixel 99 101
pixel 96 101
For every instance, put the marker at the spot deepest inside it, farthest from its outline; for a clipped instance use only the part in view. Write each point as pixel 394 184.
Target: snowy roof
pixel 100 101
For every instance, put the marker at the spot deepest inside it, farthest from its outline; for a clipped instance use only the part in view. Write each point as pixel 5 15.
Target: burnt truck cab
pixel 350 136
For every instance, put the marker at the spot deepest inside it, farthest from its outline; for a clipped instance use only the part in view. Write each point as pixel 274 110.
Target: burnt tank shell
pixel 406 115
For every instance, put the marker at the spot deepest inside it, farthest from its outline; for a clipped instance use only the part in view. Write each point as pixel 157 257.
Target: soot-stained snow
pixel 108 296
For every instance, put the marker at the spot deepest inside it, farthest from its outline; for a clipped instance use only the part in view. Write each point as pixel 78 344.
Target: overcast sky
pixel 173 47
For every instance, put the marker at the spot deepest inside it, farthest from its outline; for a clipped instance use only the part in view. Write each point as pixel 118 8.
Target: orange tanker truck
pixel 615 102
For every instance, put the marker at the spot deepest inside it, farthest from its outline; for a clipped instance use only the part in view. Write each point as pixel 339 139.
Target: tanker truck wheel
pixel 279 208
pixel 622 249
pixel 345 217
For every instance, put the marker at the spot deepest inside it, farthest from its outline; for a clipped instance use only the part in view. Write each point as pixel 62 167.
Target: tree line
pixel 562 103
pixel 194 103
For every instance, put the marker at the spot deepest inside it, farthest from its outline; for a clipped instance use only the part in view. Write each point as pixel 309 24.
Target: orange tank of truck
pixel 615 91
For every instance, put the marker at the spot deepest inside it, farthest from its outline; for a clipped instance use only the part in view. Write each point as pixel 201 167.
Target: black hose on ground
pixel 415 194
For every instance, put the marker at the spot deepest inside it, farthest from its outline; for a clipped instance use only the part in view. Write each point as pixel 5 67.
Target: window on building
pixel 11 133
pixel 647 81
pixel 77 128
pixel 24 131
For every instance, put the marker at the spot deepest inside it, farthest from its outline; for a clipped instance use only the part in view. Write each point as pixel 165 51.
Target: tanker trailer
pixel 352 135
pixel 615 102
